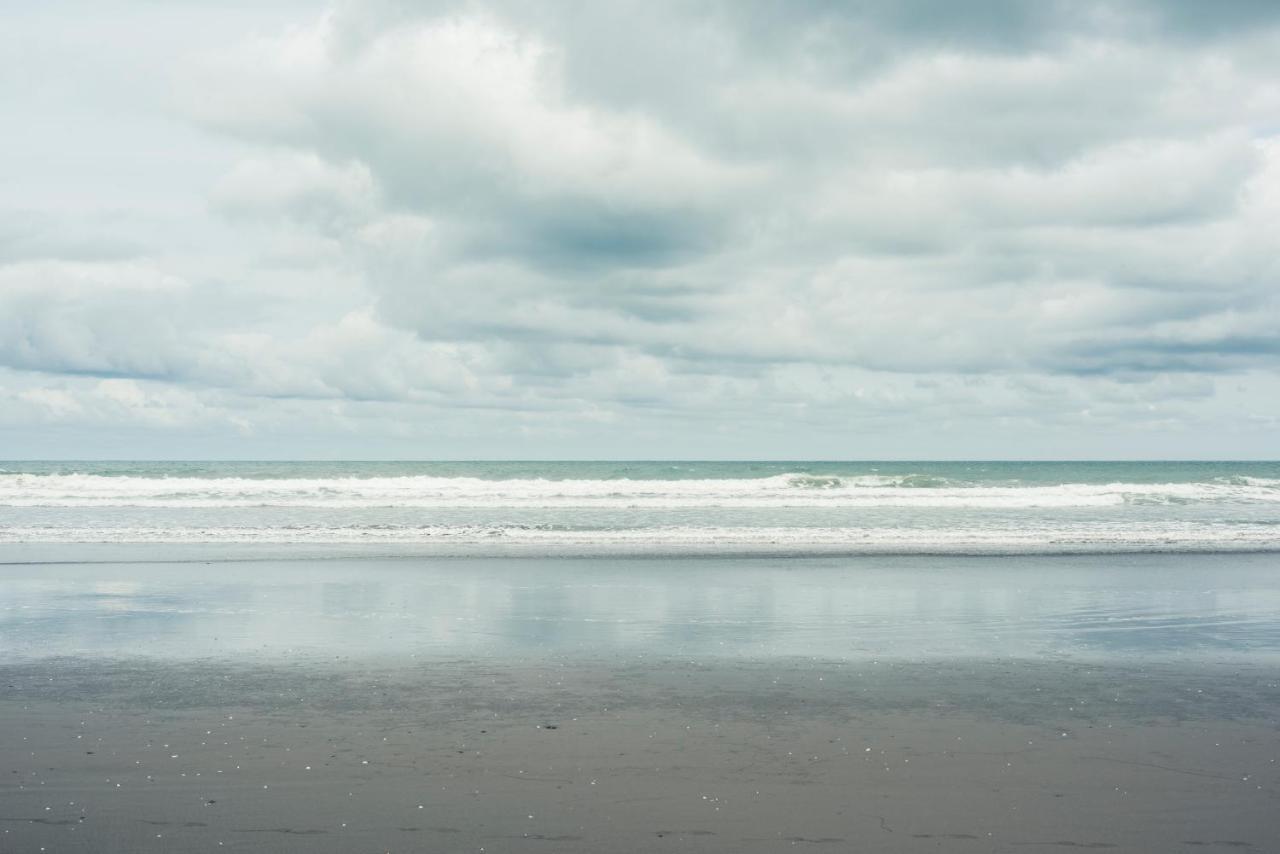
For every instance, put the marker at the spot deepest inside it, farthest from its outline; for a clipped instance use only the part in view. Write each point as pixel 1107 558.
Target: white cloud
pixel 774 221
pixel 86 318
pixel 299 186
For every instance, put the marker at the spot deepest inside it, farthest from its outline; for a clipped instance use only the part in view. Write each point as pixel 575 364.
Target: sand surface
pixel 162 702
pixel 637 754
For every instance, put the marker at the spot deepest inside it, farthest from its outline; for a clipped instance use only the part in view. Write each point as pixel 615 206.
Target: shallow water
pixel 117 601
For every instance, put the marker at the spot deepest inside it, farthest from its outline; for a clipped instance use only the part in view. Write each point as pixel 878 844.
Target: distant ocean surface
pixel 653 507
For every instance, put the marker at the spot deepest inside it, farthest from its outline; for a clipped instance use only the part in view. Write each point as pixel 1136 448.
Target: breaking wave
pixel 692 539
pixel 784 490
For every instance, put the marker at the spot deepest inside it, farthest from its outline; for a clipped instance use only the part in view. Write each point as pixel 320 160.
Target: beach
pixel 612 428
pixel 283 702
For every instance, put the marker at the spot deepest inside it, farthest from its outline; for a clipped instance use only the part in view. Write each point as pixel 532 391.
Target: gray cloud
pixel 605 219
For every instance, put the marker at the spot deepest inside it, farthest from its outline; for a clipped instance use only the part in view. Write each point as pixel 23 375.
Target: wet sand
pixel 541 706
pixel 637 756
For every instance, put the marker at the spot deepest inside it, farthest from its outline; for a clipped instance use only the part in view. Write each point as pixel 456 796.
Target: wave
pixel 784 490
pixel 549 539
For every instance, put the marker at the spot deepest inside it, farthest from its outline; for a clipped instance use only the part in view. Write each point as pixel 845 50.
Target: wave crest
pixel 1029 539
pixel 784 490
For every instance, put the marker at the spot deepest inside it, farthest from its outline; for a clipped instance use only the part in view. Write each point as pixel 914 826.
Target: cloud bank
pixel 764 229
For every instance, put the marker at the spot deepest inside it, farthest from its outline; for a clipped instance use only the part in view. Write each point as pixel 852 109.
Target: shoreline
pixel 73 553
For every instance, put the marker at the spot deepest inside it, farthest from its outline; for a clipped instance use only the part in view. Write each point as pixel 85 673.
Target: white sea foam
pixel 787 490
pixel 1031 538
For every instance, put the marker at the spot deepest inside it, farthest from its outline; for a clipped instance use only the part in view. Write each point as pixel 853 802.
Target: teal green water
pixel 991 473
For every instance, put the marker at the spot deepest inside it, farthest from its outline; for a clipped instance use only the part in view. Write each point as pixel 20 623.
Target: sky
pixel 789 229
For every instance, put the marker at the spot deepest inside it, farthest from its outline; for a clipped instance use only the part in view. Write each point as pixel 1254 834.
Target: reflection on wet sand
pixel 896 705
pixel 1220 606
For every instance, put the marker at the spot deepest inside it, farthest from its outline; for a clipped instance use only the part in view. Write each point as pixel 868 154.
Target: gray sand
pixel 637 755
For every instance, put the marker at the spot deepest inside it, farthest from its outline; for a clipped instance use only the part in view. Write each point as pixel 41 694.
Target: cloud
pixel 114 403
pixel 789 213
pixel 464 117
pixel 543 207
pixel 84 318
pixel 299 187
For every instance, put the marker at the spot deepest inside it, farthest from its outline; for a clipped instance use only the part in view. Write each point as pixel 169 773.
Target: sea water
pixel 653 507
pixel 875 560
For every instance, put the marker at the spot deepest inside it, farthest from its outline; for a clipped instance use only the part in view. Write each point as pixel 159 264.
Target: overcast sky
pixel 897 228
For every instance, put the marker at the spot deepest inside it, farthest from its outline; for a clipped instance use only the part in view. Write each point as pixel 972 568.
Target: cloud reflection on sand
pixel 903 608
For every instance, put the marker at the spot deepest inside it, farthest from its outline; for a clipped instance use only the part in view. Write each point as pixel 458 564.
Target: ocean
pixel 676 507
